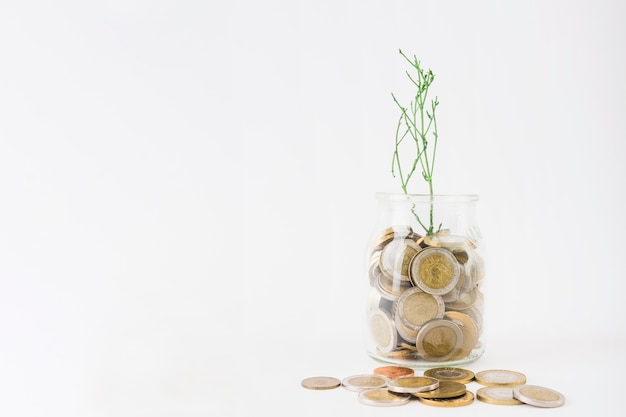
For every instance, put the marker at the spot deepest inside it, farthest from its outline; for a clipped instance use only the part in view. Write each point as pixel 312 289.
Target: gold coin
pixel 479 268
pixel 464 376
pixel 383 397
pixel 441 240
pixel 412 384
pixel 465 301
pixel 497 396
pixel 438 340
pixel 407 345
pixel 409 335
pixel 393 372
pixel 415 307
pixel 467 281
pixel 364 382
pixel 476 313
pixel 383 330
pixel 446 389
pixel 538 396
pixel 397 354
pixel 390 287
pixel 460 401
pixel 391 233
pixel 461 255
pixel 321 382
pixel 500 378
pixel 396 257
pixel 434 270
pixel 469 329
pixel 373 271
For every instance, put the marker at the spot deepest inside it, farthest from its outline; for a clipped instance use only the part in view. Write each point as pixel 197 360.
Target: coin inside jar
pixel 438 340
pixel 445 240
pixel 391 233
pixel 396 257
pixel 434 270
pixel 415 307
pixel 469 329
pixel 383 330
pixel 390 287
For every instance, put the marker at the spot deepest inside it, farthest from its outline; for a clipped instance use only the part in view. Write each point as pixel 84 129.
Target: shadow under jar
pixel 426 273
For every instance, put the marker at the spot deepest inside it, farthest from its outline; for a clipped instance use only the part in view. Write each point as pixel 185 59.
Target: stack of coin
pixel 394 385
pixel 426 389
pixel 427 303
pixel 504 387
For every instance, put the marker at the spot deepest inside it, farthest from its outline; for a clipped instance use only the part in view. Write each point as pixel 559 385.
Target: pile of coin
pixel 426 304
pixel 440 387
pixel 503 387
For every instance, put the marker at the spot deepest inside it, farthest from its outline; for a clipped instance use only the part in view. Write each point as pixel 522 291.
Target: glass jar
pixel 426 275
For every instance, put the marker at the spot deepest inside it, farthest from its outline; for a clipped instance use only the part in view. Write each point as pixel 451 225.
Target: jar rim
pixel 449 198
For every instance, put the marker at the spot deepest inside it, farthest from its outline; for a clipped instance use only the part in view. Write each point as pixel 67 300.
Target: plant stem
pixel 418 123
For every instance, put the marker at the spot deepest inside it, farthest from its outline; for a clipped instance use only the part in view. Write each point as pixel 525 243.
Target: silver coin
pixel 364 382
pixel 381 397
pixel 383 330
pixel 538 396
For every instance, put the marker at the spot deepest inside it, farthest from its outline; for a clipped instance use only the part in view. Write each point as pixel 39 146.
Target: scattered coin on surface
pixel 381 397
pixel 393 371
pixel 500 377
pixel 364 382
pixel 464 376
pixel 461 401
pixel 538 396
pixel 412 384
pixel 321 382
pixel 497 396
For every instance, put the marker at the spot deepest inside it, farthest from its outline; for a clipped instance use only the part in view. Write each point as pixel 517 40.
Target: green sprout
pixel 417 123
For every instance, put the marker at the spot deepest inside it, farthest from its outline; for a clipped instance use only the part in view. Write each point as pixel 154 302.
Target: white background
pixel 187 190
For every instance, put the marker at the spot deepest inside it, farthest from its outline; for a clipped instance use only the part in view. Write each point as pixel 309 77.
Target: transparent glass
pixel 425 271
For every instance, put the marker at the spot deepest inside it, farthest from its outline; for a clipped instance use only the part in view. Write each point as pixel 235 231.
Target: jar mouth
pixel 442 198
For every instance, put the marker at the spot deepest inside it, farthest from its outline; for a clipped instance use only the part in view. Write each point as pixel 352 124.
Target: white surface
pixel 187 191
